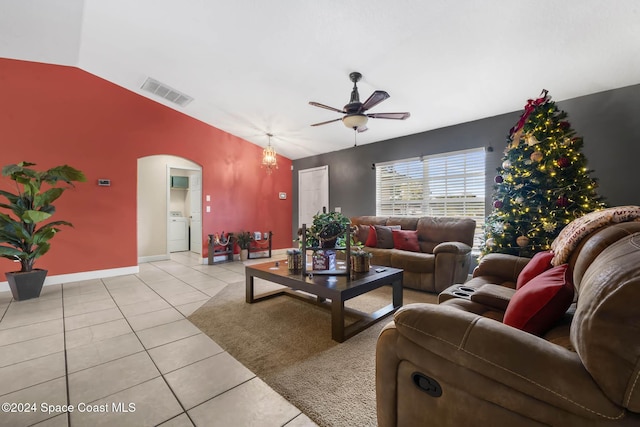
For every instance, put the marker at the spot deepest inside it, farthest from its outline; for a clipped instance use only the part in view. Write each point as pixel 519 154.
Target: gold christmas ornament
pixel 522 241
pixel 490 242
pixel 536 156
pixel 515 138
pixel 531 140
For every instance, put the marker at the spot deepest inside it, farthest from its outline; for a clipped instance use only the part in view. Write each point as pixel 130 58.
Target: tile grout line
pixel 64 290
pixel 175 277
pixel 185 317
pixel 184 410
pixel 6 310
pixel 66 364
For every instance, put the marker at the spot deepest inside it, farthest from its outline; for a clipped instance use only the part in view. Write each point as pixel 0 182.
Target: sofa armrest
pixel 452 264
pixel 452 247
pixel 511 359
pixel 494 296
pixel 504 266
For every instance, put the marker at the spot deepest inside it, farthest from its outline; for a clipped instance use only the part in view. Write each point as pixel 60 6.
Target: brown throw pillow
pixel 362 233
pixel 384 236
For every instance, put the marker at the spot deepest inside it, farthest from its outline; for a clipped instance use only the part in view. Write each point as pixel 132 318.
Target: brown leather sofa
pixel 456 364
pixel 445 250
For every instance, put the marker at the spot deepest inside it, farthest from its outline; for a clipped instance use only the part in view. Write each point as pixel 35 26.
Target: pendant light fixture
pixel 269 159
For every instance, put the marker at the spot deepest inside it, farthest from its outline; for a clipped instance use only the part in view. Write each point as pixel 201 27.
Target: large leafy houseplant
pixel 25 229
pixel 327 227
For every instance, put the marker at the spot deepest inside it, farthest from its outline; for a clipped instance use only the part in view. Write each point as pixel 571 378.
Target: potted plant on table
pixel 327 229
pixel 360 260
pixel 24 232
pixel 244 239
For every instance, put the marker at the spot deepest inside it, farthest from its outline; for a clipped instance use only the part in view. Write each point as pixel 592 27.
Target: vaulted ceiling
pixel 252 66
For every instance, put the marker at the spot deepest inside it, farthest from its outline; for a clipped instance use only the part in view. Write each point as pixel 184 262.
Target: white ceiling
pixel 252 66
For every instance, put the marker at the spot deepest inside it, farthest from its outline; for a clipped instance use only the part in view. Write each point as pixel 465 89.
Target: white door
pixel 195 213
pixel 313 193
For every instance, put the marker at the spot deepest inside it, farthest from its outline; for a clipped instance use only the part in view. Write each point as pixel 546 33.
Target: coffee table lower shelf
pixel 329 292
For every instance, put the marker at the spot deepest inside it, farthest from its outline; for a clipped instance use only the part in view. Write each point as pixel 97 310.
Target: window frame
pixel 448 184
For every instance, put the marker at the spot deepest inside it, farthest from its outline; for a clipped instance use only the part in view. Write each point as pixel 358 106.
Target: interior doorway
pixel 313 193
pixel 168 210
pixel 184 216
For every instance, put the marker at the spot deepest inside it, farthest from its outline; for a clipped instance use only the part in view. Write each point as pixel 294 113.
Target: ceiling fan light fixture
pixel 354 121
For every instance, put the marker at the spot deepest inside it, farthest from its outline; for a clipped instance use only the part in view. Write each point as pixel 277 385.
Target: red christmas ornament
pixel 562 202
pixel 563 162
pixel 498 204
pixel 498 179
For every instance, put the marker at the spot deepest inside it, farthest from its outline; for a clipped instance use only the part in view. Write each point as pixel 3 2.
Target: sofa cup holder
pixel 463 292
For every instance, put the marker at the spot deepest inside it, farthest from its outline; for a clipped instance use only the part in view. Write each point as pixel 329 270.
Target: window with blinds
pixel 449 184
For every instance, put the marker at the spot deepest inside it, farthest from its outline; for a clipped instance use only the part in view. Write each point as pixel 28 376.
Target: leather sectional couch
pixel 457 364
pixel 444 249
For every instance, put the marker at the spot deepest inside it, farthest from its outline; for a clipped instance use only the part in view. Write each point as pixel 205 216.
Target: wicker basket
pixel 360 264
pixel 294 262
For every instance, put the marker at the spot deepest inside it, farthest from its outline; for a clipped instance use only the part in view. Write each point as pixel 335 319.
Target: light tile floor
pixel 121 352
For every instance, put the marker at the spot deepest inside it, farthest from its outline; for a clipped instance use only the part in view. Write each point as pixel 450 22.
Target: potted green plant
pixel 326 229
pixel 24 232
pixel 244 239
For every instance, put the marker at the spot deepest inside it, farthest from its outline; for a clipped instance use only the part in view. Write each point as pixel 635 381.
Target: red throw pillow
pixel 536 307
pixel 540 263
pixel 406 240
pixel 372 238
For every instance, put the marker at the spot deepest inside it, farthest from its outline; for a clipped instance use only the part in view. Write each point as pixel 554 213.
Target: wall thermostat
pixel 104 182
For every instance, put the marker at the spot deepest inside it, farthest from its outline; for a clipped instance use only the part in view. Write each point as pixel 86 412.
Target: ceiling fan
pixel 355 117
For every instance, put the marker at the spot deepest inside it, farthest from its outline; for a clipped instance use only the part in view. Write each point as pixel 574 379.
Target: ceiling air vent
pixel 164 91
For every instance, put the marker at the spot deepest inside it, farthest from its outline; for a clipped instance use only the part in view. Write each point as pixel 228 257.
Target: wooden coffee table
pixel 336 289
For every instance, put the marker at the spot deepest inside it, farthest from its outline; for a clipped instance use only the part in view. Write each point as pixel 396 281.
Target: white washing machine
pixel 178 232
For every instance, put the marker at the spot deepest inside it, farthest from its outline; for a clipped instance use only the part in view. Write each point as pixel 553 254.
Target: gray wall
pixel 608 121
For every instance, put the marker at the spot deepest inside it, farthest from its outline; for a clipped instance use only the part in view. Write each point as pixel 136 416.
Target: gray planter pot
pixel 26 285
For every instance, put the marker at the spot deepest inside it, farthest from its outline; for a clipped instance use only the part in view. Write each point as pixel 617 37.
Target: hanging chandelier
pixel 269 159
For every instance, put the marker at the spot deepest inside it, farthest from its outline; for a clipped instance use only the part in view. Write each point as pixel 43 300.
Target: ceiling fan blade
pixel 362 129
pixel 326 107
pixel 376 98
pixel 328 121
pixel 394 116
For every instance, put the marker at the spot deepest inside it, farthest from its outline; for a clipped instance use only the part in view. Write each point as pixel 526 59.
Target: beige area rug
pixel 288 344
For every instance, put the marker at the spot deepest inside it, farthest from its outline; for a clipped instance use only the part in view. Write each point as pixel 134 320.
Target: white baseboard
pixel 85 275
pixel 279 252
pixel 153 258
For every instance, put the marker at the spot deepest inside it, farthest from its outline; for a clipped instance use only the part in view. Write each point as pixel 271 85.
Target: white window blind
pixel 449 184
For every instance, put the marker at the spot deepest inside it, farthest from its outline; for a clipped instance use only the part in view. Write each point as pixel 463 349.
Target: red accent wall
pixel 53 115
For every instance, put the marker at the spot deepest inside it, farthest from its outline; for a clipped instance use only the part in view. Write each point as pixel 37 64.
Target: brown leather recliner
pixel 456 364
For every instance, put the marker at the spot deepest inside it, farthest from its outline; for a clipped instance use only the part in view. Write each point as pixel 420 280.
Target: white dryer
pixel 178 232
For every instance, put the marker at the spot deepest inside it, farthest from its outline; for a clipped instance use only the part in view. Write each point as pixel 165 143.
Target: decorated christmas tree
pixel 542 185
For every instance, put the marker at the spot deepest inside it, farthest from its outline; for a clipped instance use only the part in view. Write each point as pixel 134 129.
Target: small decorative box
pixel 324 260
